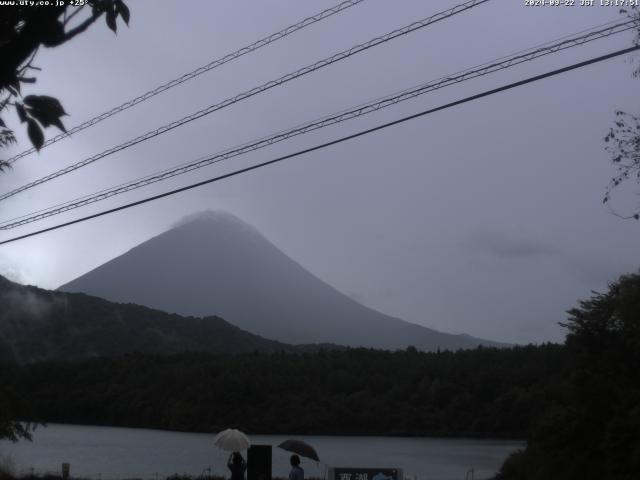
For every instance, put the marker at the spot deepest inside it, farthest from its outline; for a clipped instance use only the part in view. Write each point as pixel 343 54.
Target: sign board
pixel 65 470
pixel 356 473
pixel 259 462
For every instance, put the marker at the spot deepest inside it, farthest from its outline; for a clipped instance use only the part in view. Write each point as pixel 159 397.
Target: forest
pixel 482 392
pixel 577 404
pixel 593 432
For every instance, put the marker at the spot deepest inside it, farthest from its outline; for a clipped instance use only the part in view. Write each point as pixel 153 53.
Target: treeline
pixel 593 431
pixel 480 393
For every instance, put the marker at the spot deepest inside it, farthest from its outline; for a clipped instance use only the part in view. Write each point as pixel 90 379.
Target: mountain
pixel 41 325
pixel 214 263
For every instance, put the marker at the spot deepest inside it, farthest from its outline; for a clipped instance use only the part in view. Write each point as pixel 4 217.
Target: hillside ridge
pixel 213 263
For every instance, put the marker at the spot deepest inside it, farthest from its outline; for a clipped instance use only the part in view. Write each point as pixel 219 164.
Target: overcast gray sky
pixel 483 219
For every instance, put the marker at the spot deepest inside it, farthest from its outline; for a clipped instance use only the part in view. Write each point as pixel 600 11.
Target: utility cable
pixel 254 91
pixel 195 73
pixel 333 142
pixel 354 112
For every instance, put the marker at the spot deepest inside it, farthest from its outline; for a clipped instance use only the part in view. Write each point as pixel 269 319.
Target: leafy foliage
pixel 6 138
pixel 595 433
pixel 623 139
pixel 23 30
pixel 624 146
pixel 11 408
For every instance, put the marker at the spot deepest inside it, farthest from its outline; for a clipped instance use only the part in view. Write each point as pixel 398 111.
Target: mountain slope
pixel 214 263
pixel 41 325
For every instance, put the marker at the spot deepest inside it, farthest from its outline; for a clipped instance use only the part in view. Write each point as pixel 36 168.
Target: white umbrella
pixel 232 440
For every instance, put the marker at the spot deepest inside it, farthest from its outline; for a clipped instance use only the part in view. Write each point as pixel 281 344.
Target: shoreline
pixel 114 453
pixel 290 434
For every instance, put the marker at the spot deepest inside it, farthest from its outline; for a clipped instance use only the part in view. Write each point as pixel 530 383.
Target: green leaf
pixel 58 123
pixel 123 10
pixel 111 20
pixel 22 114
pixel 6 137
pixel 47 110
pixel 44 102
pixel 35 133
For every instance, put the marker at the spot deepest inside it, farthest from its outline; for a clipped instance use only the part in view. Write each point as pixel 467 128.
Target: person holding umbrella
pixel 301 448
pixel 237 465
pixel 297 473
pixel 233 440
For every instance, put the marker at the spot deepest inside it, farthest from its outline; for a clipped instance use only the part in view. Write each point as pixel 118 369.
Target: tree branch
pixel 634 216
pixel 28 64
pixel 76 30
pixel 82 27
pixel 4 103
pixel 75 12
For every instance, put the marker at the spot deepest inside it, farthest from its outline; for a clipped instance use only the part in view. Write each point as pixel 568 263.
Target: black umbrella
pixel 301 448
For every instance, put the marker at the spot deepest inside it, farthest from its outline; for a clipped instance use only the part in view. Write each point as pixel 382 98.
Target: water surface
pixel 117 453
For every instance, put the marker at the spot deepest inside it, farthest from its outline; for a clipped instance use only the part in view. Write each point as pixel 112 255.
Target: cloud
pixel 506 245
pixel 373 295
pixel 24 302
pixel 595 270
pixel 10 271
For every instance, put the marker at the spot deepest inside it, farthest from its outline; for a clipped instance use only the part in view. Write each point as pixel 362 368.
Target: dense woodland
pixel 484 392
pixel 594 432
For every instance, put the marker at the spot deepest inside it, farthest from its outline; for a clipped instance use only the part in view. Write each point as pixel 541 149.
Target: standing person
pixel 297 473
pixel 237 465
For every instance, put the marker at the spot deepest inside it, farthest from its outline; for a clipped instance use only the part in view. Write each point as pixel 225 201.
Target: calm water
pixel 108 453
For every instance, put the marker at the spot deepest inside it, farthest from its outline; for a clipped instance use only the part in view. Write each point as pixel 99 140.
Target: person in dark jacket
pixel 297 473
pixel 237 465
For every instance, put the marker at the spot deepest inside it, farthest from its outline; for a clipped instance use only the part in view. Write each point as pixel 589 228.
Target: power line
pixel 195 73
pixel 363 109
pixel 333 142
pixel 256 90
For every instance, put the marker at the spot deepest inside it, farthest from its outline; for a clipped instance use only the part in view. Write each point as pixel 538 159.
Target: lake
pixel 118 453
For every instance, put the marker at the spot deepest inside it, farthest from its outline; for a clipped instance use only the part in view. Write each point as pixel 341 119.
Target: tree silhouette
pixel 23 30
pixel 10 428
pixel 594 432
pixel 623 141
